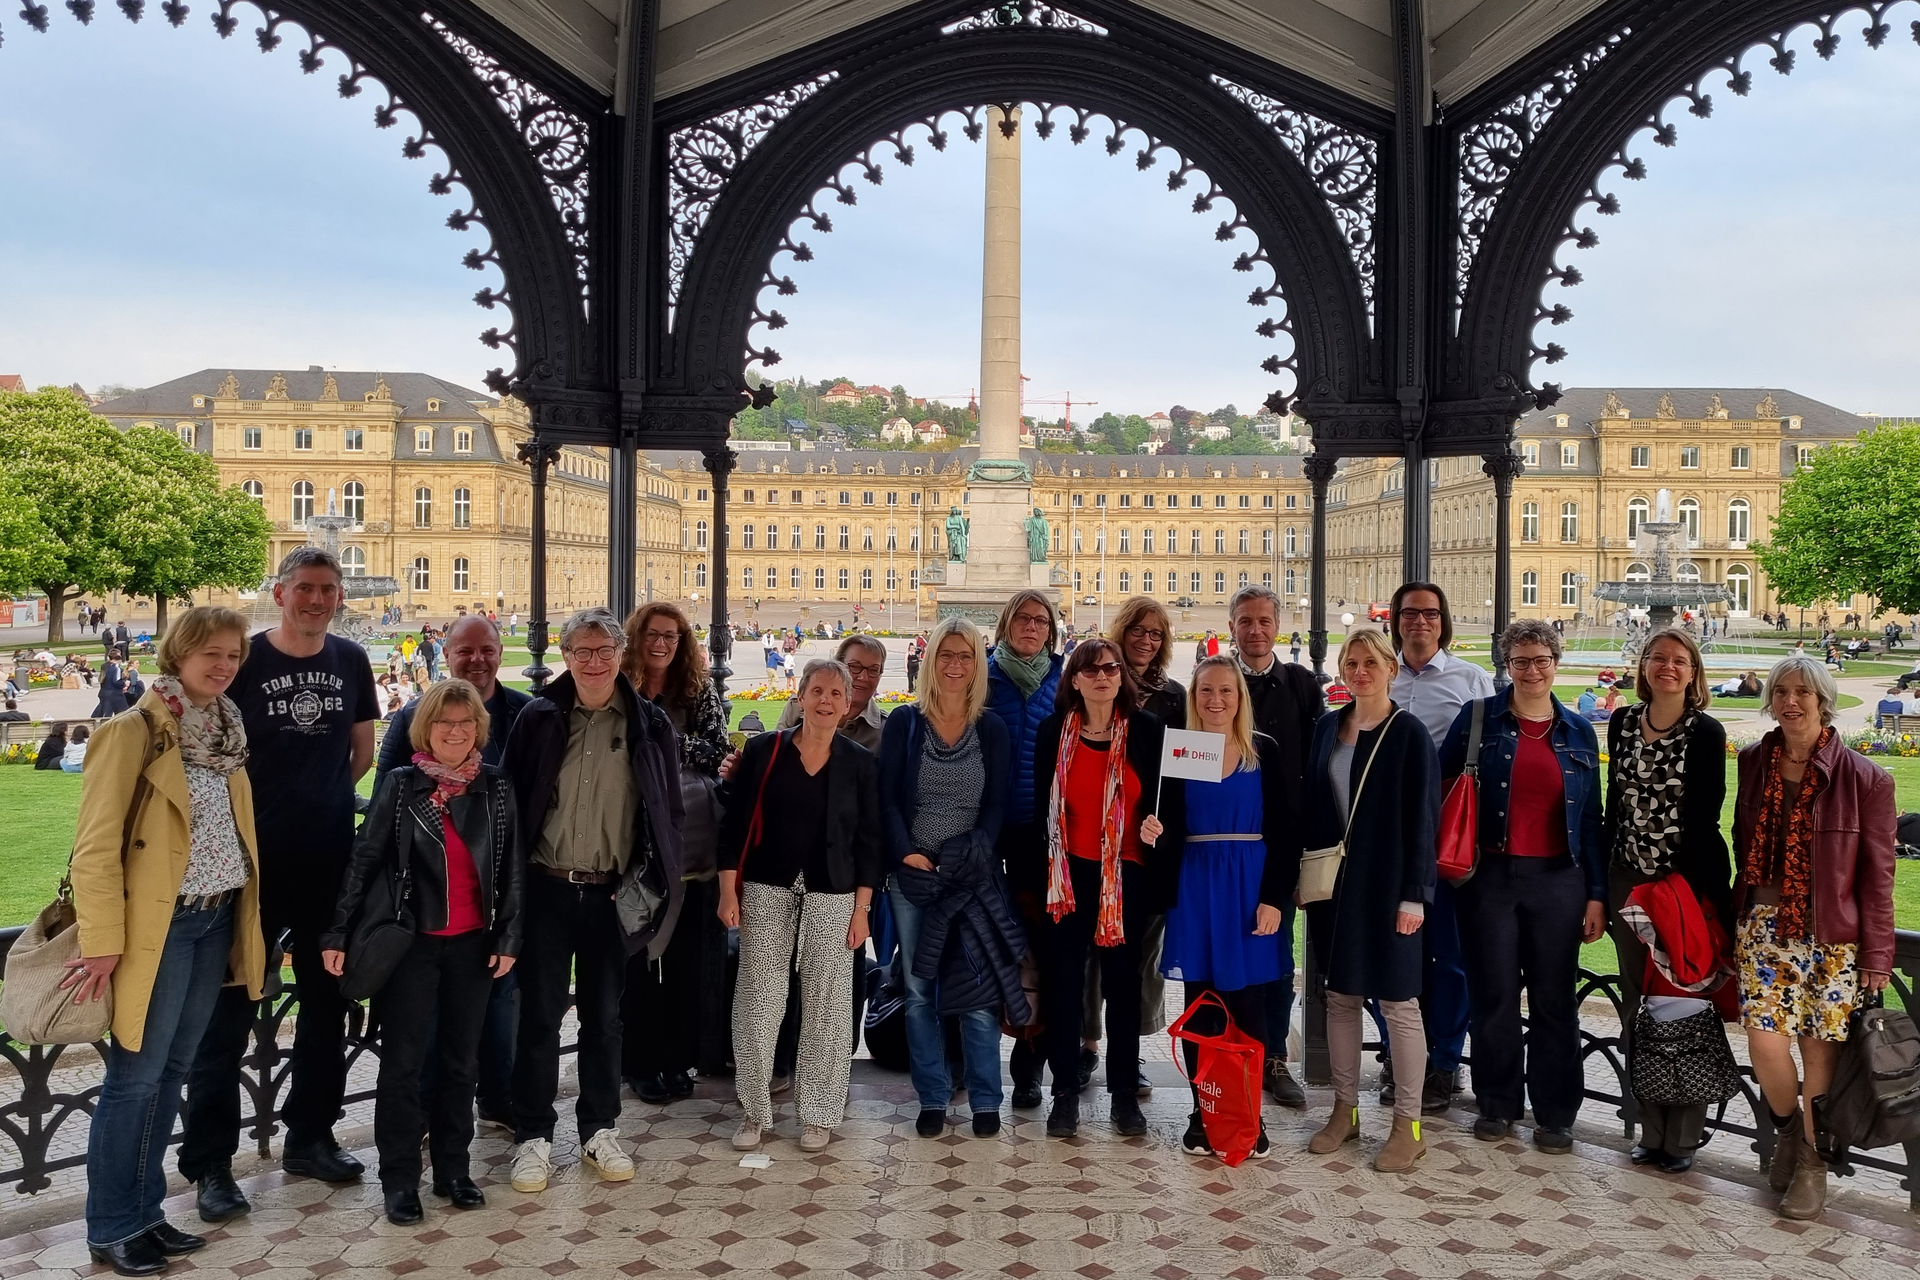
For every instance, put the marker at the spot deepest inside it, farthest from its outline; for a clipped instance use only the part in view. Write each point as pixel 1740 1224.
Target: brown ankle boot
pixel 1342 1127
pixel 1405 1145
pixel 1807 1195
pixel 1786 1150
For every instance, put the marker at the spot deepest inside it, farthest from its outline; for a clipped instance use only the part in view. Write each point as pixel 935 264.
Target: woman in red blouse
pixel 1096 778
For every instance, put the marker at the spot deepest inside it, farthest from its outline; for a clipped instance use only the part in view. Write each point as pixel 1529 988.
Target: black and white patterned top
pixel 1652 778
pixel 951 781
pixel 216 861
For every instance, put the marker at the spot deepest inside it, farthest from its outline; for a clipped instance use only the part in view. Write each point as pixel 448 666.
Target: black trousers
pixel 1065 944
pixel 317 1070
pixel 438 997
pixel 1247 1007
pixel 1520 929
pixel 572 938
pixel 662 1009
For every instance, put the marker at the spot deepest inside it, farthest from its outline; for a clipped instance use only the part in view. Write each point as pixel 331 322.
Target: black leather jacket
pixel 401 823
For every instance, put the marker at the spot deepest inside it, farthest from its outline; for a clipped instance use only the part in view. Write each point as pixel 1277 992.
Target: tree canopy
pixel 1849 522
pixel 85 507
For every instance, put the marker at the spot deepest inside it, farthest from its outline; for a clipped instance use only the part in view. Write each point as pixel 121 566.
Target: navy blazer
pixel 1578 749
pixel 901 743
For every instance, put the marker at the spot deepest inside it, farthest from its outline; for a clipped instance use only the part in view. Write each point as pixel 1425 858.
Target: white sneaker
pixel 604 1153
pixel 532 1165
pixel 747 1136
pixel 816 1138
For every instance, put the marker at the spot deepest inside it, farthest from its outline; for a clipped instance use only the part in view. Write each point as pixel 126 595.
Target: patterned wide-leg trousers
pixel 782 929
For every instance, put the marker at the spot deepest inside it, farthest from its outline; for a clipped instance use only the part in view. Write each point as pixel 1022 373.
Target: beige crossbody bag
pixel 1320 868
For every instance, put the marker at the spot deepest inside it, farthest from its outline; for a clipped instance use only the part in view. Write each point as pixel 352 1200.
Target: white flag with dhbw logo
pixel 1187 753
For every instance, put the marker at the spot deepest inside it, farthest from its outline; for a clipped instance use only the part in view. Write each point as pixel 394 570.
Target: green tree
pixel 1849 522
pixel 74 466
pixel 27 554
pixel 184 530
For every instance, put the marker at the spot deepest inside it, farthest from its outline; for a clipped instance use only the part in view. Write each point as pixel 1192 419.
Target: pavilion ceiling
pixel 1343 43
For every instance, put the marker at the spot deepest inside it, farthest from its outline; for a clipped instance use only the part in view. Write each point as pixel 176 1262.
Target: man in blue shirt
pixel 1434 685
pixel 1588 702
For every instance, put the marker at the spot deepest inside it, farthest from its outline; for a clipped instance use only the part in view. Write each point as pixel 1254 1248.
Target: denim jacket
pixel 1578 750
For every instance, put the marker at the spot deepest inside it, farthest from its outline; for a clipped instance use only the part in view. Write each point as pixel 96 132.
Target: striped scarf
pixel 1108 930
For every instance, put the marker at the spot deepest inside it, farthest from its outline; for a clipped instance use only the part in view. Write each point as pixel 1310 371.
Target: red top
pixel 463 887
pixel 1537 814
pixel 1086 787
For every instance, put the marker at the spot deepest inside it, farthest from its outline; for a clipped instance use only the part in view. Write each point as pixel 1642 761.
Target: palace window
pixel 773 578
pixel 746 539
pixel 462 574
pixel 1292 501
pixel 1100 539
pixel 1219 582
pixel 249 437
pixel 866 579
pixel 866 538
pixel 893 499
pixel 846 537
pixel 1530 453
pixel 1099 499
pixel 1687 572
pixel 1804 454
pixel 773 538
pixel 893 581
pixel 422 508
pixel 1292 582
pixel 353 561
pixel 1266 542
pixel 700 574
pixel 353 501
pixel 1690 517
pixel 1193 500
pixel 423 440
pixel 1570 589
pixel 1219 542
pixel 1689 457
pixel 462 509
pixel 1529 588
pixel 819 537
pixel 846 497
pixel 700 537
pixel 1529 522
pixel 1193 580
pixel 1146 541
pixel 1146 580
pixel 302 502
pixel 1077 548
pixel 1245 546
pixel 793 539
pixel 1740 587
pixel 1742 457
pixel 1126 582
pixel 1079 500
pixel 1638 572
pixel 1146 500
pixel 1126 544
pixel 1292 543
pixel 1126 499
pixel 793 577
pixel 843 579
pixel 303 438
pixel 866 498
pixel 185 431
pixel 463 441
pixel 255 490
pixel 1193 541
pixel 1636 516
pixel 913 539
pixel 1569 453
pixel 1739 517
pixel 422 573
pixel 1641 457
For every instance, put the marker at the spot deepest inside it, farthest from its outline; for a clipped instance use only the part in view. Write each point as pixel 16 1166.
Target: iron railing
pixel 34 1117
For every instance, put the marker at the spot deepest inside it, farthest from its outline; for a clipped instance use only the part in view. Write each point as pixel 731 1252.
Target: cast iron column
pixel 1505 468
pixel 720 461
pixel 538 455
pixel 1410 293
pixel 1319 470
pixel 632 318
pixel 622 512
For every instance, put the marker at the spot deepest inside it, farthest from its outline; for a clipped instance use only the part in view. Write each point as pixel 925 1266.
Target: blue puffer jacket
pixel 1022 716
pixel 971 939
pixel 1578 750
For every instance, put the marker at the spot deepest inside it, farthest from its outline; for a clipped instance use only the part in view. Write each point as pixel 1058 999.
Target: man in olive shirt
pixel 596 771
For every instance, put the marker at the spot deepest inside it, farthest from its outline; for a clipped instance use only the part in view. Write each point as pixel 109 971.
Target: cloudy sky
pixel 174 201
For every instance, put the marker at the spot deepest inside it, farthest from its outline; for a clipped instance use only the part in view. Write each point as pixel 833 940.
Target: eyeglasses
pixel 863 669
pixel 1146 633
pixel 1419 615
pixel 1532 664
pixel 458 726
pixel 604 653
pixel 661 637
pixel 1677 660
pixel 1107 669
pixel 955 659
pixel 1032 620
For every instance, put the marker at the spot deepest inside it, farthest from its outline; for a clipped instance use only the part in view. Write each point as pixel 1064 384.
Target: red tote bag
pixel 1459 833
pixel 1227 1078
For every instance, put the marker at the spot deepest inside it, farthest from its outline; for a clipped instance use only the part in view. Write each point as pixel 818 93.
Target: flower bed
pixel 1877 742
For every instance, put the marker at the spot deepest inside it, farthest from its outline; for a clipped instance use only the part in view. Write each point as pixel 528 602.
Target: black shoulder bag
pixel 384 928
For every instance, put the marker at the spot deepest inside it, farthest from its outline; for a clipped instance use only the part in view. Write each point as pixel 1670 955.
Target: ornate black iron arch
pixel 1535 152
pixel 518 149
pixel 1293 178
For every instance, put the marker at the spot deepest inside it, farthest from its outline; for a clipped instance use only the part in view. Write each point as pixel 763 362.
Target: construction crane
pixel 1064 399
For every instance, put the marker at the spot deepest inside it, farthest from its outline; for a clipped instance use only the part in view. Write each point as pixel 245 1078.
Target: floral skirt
pixel 1794 986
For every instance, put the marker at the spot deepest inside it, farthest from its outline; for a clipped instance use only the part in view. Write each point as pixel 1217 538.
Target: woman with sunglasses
pixel 1538 893
pixel 1096 778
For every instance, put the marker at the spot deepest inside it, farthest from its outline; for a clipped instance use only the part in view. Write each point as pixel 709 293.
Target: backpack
pixel 1874 1100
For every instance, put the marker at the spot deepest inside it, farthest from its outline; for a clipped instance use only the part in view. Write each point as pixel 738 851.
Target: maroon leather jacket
pixel 1853 840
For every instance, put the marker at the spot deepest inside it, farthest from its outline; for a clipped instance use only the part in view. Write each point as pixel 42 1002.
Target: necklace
pixel 1536 737
pixel 1646 719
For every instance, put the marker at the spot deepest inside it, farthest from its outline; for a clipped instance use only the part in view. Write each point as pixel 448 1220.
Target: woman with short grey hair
pixel 1813 842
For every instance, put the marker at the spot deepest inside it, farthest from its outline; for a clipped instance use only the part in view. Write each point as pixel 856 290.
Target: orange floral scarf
pixel 1108 930
pixel 1782 849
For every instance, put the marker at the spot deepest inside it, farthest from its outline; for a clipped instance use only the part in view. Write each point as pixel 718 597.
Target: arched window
pixel 1219 582
pixel 422 573
pixel 462 510
pixel 746 576
pixel 1569 522
pixel 302 502
pixel 462 574
pixel 353 561
pixel 1529 588
pixel 700 570
pixel 700 541
pixel 1146 581
pixel 353 501
pixel 1687 572
pixel 1690 518
pixel 1126 582
pixel 1739 522
pixel 1638 572
pixel 422 507
pixel 255 490
pixel 1293 583
pixel 1636 516
pixel 1293 541
pixel 1740 586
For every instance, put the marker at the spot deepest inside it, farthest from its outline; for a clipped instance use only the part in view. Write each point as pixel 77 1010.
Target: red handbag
pixel 1226 1079
pixel 1459 842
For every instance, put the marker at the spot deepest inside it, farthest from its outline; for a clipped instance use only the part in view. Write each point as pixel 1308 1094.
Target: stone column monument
pixel 996 556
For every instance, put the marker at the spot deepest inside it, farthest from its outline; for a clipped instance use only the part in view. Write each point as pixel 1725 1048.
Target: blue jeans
pixel 1279 992
pixel 926 1039
pixel 133 1120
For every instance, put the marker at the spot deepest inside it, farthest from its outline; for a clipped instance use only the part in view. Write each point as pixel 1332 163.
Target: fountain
pixel 357 586
pixel 1662 593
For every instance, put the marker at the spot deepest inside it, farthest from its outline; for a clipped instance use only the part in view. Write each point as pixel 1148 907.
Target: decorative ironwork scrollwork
pixel 1024 13
pixel 1343 163
pixel 702 158
pixel 1491 149
pixel 555 137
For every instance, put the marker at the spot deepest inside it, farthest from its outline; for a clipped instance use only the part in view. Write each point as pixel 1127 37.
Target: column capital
pixel 1319 468
pixel 1504 469
pixel 538 454
pixel 720 460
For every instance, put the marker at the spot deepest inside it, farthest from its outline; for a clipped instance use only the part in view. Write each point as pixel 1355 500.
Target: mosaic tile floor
pixel 884 1202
